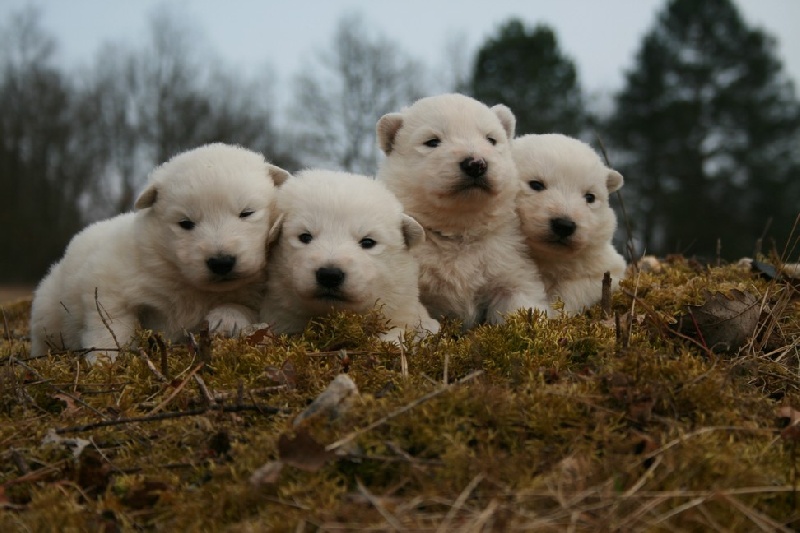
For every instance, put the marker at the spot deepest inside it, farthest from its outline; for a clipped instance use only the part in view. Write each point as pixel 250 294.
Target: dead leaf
pixel 219 445
pixel 791 433
pixel 333 401
pixel 788 414
pixel 285 375
pixel 71 408
pixel 266 474
pixel 261 336
pixel 302 451
pixel 145 494
pixel 723 323
pixel 93 472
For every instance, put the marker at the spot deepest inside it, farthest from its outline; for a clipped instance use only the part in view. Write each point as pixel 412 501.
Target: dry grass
pixel 12 293
pixel 572 424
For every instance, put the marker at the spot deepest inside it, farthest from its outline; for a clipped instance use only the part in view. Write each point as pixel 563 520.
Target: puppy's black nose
pixel 221 264
pixel 330 277
pixel 563 227
pixel 474 168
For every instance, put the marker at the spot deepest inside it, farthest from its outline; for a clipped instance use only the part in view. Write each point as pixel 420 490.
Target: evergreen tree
pixel 707 127
pixel 526 70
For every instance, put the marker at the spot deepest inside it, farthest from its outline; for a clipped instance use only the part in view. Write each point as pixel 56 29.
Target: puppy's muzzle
pixel 221 265
pixel 563 227
pixel 474 168
pixel 330 278
pixel 473 175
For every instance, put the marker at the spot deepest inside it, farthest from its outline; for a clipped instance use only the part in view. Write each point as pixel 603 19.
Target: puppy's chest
pixel 456 276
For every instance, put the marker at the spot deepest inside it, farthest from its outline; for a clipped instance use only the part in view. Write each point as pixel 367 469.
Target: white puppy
pixel 194 249
pixel 342 242
pixel 566 218
pixel 448 160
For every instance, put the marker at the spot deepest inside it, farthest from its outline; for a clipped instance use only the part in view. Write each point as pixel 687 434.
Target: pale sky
pixel 602 36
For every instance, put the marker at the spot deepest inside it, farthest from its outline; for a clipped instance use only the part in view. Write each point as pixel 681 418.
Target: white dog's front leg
pixel 508 299
pixel 230 319
pixel 580 294
pixel 108 333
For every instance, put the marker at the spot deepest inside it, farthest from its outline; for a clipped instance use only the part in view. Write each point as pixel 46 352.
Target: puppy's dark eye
pixel 186 224
pixel 433 143
pixel 305 238
pixel 246 213
pixel 491 140
pixel 536 185
pixel 590 198
pixel 367 243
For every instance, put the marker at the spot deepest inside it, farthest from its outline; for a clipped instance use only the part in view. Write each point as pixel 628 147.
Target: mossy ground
pixel 574 423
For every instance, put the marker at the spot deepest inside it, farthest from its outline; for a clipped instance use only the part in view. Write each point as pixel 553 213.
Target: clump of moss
pixel 596 422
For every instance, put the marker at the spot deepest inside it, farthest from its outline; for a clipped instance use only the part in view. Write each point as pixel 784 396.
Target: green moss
pixel 568 424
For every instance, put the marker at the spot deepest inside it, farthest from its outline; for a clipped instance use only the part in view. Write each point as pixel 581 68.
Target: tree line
pixel 706 127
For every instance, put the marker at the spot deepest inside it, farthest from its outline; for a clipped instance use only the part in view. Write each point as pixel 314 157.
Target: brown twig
pixel 57 389
pixel 265 409
pixel 605 299
pixel 207 396
pixel 422 399
pixel 238 394
pixel 159 376
pixel 459 503
pixel 177 390
pixel 389 517
pixel 103 318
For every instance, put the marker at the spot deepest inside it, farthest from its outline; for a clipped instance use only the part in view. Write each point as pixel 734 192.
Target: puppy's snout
pixel 474 168
pixel 562 226
pixel 330 277
pixel 221 264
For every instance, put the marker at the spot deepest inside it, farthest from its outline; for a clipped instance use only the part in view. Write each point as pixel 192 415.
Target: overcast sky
pixel 602 36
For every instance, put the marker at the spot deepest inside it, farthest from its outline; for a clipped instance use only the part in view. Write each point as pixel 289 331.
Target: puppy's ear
pixel 387 129
pixel 614 180
pixel 277 174
pixel 413 233
pixel 147 198
pixel 275 230
pixel 507 119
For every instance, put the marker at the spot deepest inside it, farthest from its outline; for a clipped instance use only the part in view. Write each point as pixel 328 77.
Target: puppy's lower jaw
pixel 551 244
pixel 469 185
pixel 227 282
pixel 331 296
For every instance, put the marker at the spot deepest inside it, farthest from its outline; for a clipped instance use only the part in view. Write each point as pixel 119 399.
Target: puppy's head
pixel 342 242
pixel 448 159
pixel 207 212
pixel 563 206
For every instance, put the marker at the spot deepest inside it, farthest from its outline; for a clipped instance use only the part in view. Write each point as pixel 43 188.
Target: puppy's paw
pixel 230 320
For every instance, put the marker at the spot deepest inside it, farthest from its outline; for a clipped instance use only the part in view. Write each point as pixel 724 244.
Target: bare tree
pixel 167 96
pixel 340 97
pixel 45 167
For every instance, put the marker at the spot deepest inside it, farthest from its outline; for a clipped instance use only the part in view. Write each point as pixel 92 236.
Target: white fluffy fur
pixel 566 169
pixel 473 266
pixel 340 215
pixel 148 270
